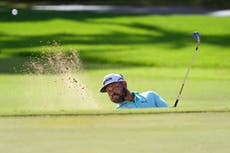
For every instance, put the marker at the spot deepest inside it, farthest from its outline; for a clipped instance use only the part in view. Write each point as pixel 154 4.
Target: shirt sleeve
pixel 159 102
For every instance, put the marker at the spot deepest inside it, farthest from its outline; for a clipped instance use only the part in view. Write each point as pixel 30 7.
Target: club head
pixel 196 36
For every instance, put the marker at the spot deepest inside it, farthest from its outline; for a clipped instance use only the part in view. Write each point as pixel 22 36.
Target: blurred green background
pixel 46 113
pixel 220 4
pixel 152 51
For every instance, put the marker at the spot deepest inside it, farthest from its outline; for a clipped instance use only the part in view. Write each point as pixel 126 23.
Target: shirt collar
pixel 137 97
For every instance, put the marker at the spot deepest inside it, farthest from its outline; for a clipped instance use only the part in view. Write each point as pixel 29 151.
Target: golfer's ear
pixel 124 83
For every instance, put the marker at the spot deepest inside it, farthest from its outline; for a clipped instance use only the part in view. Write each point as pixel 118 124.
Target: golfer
pixel 116 87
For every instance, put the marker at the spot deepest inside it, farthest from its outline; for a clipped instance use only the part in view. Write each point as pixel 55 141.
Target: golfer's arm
pixel 161 102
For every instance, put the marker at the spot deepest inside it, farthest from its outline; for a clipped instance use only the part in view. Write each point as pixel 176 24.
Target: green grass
pixel 168 133
pixel 206 89
pixel 151 40
pixel 152 51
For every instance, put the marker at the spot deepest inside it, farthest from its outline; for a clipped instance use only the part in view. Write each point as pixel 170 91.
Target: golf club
pixel 196 36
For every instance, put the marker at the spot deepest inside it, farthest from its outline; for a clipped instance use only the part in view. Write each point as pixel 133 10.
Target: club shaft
pixel 186 75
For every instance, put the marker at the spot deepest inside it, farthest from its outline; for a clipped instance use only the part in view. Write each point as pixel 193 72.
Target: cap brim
pixel 103 89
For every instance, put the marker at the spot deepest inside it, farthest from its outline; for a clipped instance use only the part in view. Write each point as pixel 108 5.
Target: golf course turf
pixel 184 132
pixel 42 113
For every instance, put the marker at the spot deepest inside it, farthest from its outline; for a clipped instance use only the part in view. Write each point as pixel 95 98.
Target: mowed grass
pixel 152 51
pixel 140 40
pixel 168 133
pixel 205 89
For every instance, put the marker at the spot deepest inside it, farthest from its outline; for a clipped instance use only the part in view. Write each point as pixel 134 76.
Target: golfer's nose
pixel 110 93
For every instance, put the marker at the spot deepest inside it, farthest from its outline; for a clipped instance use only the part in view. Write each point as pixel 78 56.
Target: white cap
pixel 110 78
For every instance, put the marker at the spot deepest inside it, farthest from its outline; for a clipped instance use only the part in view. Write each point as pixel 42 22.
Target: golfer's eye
pixel 113 87
pixel 109 89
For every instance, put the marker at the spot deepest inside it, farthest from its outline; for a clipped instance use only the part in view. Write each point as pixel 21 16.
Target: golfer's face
pixel 116 92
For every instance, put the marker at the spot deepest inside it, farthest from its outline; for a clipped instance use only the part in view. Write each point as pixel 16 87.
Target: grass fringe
pixel 112 112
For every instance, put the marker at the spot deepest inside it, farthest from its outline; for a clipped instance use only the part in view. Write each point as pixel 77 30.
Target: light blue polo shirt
pixel 148 99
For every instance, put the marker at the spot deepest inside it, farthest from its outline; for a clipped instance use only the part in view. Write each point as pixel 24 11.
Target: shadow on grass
pixel 176 39
pixel 16 64
pixel 36 16
pixel 19 46
pixel 12 65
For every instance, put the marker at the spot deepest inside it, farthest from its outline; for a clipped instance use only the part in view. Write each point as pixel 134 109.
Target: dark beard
pixel 121 98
